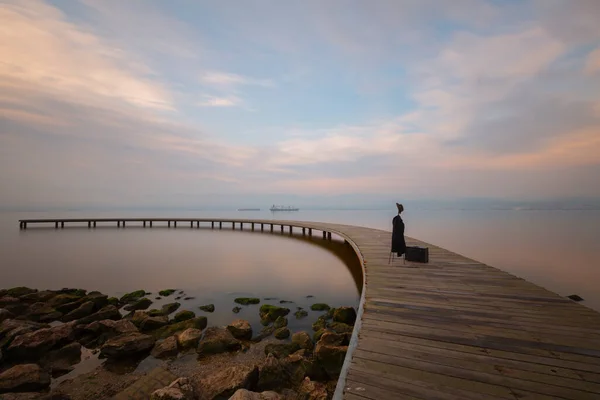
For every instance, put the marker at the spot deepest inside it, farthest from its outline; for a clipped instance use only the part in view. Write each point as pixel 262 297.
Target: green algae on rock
pixel 320 307
pixel 247 300
pixel 184 315
pixel 166 292
pixel 271 313
pixel 208 308
pixel 133 296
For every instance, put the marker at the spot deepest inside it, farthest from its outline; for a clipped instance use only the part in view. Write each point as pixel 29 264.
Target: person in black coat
pixel 398 242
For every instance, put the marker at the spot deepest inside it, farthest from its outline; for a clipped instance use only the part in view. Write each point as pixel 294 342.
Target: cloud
pixel 211 101
pixel 228 79
pixel 592 64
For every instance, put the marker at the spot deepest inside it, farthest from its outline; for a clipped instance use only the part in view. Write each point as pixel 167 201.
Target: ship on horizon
pixel 283 208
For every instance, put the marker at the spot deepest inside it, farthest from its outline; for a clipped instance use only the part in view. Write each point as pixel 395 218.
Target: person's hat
pixel 400 207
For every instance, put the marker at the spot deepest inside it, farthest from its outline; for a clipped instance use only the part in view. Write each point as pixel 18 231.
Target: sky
pixel 174 103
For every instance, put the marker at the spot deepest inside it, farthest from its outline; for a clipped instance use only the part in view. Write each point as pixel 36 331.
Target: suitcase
pixel 417 254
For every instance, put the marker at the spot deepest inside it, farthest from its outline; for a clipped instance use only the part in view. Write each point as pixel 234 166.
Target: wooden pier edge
pixel 451 329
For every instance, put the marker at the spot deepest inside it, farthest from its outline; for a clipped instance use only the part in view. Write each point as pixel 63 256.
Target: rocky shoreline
pixel 164 353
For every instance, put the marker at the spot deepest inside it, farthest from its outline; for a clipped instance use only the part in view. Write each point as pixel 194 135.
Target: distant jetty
pixel 283 208
pixel 248 209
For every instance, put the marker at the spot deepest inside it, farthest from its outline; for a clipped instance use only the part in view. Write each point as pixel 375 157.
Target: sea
pixel 558 249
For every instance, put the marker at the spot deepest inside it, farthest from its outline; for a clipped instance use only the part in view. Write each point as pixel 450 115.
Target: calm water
pixel 556 249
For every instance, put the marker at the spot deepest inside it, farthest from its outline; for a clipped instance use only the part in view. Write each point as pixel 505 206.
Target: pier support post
pixel 89 224
pixel 324 235
pixel 271 228
pixel 169 224
pixel 220 224
pixel 56 225
pixel 241 226
pixel 198 224
pixel 309 231
pixel 290 229
pixel 328 235
pixel 123 224
pixel 212 224
pixel 191 224
pixel 262 227
pixel 94 224
pixel 150 224
pixel 144 224
pixel 253 227
pixel 281 228
pixel 62 224
pixel 174 224
pixel 118 224
pixel 233 226
pixel 303 231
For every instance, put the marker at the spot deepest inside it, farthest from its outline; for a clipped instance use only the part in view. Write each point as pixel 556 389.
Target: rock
pixel 301 314
pixel 265 332
pixel 226 382
pixel 302 339
pixel 166 292
pixel 166 348
pixel 320 307
pixel 217 340
pixel 113 301
pixel 137 317
pixel 317 335
pixel 8 300
pixel 319 324
pixel 23 378
pixel 141 304
pixel 271 313
pixel 65 298
pixel 281 350
pixel 345 315
pixel 181 389
pixel 189 298
pixel 282 333
pixel 165 331
pixel 189 338
pixel 20 291
pixel 127 344
pixel 236 309
pixel 153 323
pixel 73 291
pixel 100 300
pixel 575 297
pixel 42 312
pixel 97 333
pixel 247 300
pixel 280 322
pixel 36 297
pixel 33 345
pixel 334 339
pixel 330 354
pixel 310 390
pixel 83 310
pixel 60 361
pixel 165 310
pixel 329 315
pixel 158 298
pixel 340 327
pixel 108 312
pixel 244 394
pixel 133 296
pixel 5 314
pixel 11 328
pixel 208 308
pixel 271 374
pixel 285 302
pixel 240 329
pixel 183 315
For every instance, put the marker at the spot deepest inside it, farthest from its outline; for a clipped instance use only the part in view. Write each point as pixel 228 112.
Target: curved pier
pixel 450 329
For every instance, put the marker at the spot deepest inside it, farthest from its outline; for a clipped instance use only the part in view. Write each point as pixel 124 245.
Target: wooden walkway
pixel 453 329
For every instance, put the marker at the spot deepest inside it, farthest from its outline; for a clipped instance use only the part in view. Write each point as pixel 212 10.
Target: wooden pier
pixel 452 329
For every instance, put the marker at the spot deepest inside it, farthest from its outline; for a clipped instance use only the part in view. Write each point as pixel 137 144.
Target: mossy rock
pixel 20 291
pixel 166 331
pixel 133 296
pixel 330 314
pixel 282 333
pixel 65 298
pixel 113 301
pixel 317 335
pixel 166 292
pixel 281 350
pixel 271 313
pixel 301 314
pixel 247 300
pixel 340 327
pixel 320 307
pixel 319 324
pixel 236 309
pixel 170 307
pixel 347 315
pixel 141 304
pixel 208 308
pixel 285 302
pixel 184 315
pixel 280 322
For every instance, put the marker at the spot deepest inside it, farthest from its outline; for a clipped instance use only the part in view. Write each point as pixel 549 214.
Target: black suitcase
pixel 417 254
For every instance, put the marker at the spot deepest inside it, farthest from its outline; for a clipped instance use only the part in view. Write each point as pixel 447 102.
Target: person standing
pixel 398 242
